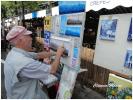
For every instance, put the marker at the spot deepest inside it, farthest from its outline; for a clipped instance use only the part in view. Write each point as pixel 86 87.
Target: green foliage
pixel 13 8
pixel 6 8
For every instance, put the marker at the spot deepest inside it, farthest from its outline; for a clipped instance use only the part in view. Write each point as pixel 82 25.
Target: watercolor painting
pixel 63 24
pixel 119 88
pixel 47 23
pixel 64 91
pixel 75 19
pixel 55 24
pixel 47 35
pixel 73 31
pixel 108 29
pixel 66 7
pixel 74 22
pixel 129 38
pixel 128 59
pixel 69 76
pixel 68 79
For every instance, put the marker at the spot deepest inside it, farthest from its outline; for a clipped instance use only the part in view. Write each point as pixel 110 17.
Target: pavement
pixel 83 92
pixel 3 91
pixel 79 92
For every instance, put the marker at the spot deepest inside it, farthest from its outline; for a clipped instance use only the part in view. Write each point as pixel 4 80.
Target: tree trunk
pixel 23 14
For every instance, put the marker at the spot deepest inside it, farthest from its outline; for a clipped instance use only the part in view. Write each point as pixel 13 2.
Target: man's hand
pixel 55 64
pixel 43 54
pixel 46 60
pixel 60 51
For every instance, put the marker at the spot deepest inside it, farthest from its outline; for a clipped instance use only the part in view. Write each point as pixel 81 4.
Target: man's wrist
pixel 39 56
pixel 58 57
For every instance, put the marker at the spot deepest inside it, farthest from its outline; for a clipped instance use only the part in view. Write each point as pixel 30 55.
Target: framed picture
pixel 64 92
pixel 70 25
pixel 119 88
pixel 68 79
pixel 73 31
pixel 75 19
pixel 47 23
pixel 75 58
pixel 129 38
pixel 47 35
pixel 69 76
pixel 108 29
pixel 55 24
pixel 128 59
pixel 63 24
pixel 66 7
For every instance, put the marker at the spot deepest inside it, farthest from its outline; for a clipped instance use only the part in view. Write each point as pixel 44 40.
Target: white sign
pixel 55 11
pixel 109 4
pixel 41 13
pixel 28 16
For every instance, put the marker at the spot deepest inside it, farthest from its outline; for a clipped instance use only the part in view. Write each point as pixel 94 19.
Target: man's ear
pixel 20 40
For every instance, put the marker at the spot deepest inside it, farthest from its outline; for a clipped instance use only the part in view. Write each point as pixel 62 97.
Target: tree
pixel 14 8
pixel 19 8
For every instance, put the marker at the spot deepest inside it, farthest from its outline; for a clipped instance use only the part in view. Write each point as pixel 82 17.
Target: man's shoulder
pixel 17 57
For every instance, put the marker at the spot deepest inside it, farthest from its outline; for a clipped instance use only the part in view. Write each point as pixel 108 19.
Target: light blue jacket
pixel 20 87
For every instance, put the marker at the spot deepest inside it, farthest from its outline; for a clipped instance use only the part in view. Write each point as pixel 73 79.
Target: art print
pixel 108 29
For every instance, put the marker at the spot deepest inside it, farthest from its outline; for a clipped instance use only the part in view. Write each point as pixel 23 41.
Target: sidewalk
pixel 85 93
pixel 3 57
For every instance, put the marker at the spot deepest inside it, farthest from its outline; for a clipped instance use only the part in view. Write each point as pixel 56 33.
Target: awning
pixel 41 13
pixel 55 11
pixel 28 16
pixel 108 4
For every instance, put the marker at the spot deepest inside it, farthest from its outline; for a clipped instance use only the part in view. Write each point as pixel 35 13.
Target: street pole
pixel 23 23
pixel 48 9
pixel 3 21
pixel 16 13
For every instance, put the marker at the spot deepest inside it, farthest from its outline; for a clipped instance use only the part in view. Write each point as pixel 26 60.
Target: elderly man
pixel 23 70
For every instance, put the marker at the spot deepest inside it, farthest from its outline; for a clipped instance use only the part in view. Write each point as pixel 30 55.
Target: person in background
pixel 22 68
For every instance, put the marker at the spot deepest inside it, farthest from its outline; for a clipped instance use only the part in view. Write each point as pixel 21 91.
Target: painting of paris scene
pixel 129 38
pixel 73 31
pixel 67 7
pixel 108 29
pixel 75 19
pixel 128 59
